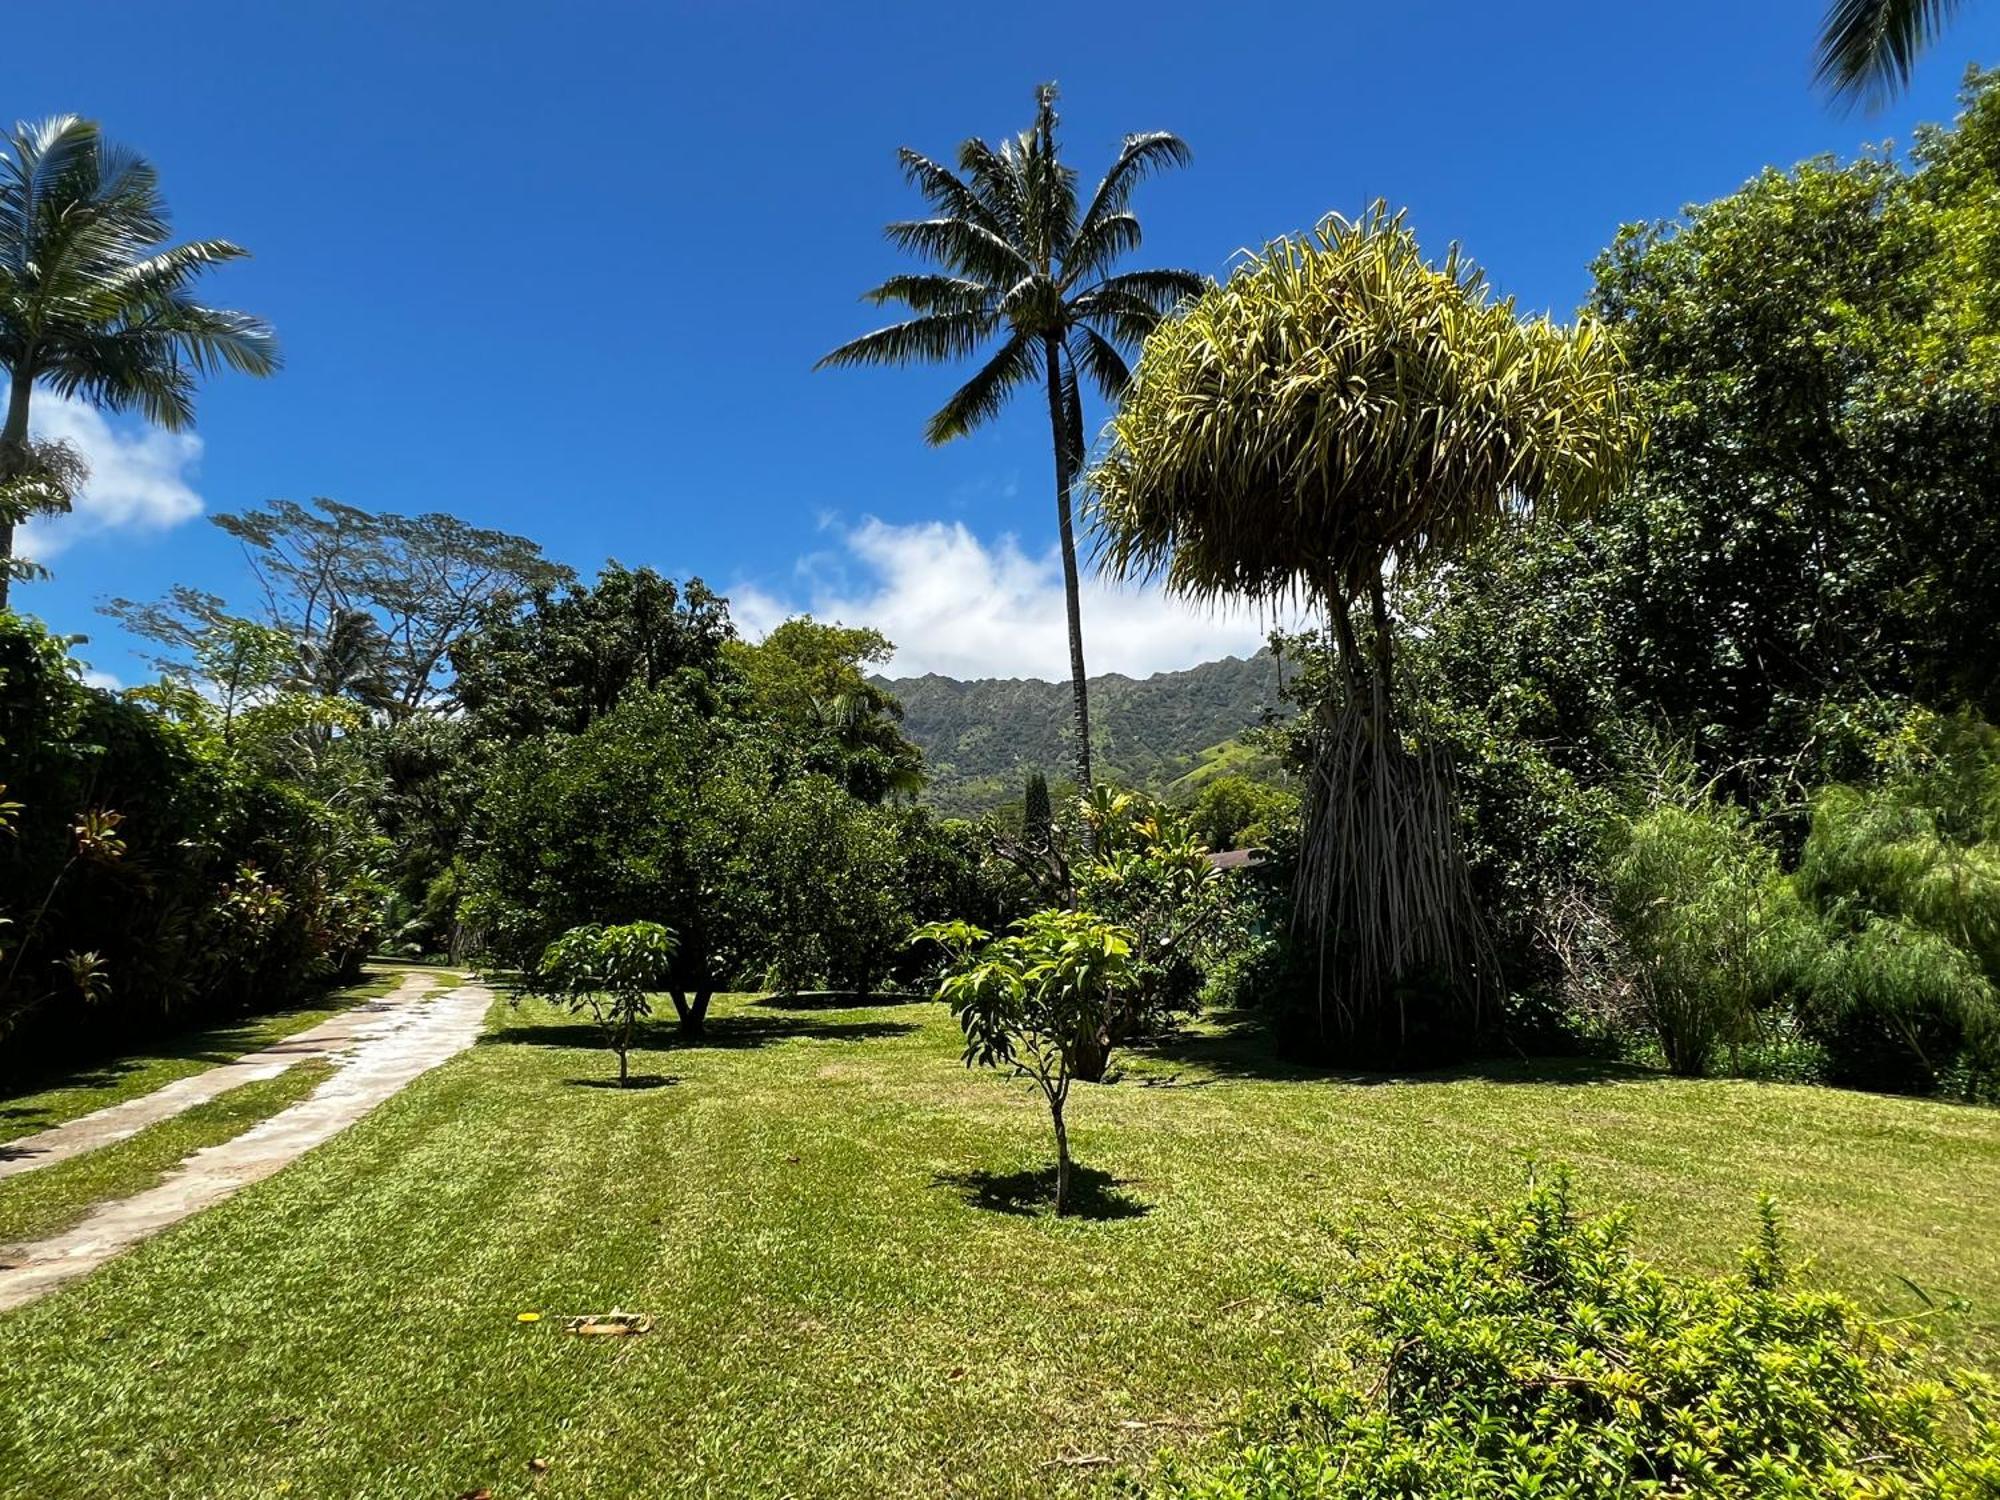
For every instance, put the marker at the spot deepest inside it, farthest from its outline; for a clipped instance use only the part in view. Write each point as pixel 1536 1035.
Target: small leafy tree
pixel 609 971
pixel 1035 1001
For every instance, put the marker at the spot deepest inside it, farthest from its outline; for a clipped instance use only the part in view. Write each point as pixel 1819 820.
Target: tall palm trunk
pixel 1059 428
pixel 13 450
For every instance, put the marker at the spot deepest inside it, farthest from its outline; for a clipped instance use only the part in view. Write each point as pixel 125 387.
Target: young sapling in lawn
pixel 609 971
pixel 1034 1000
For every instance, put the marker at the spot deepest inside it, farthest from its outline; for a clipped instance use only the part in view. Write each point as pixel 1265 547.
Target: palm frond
pixel 1139 157
pixel 1074 442
pixel 1868 48
pixel 1098 245
pixel 960 245
pixel 934 338
pixel 165 273
pixel 1162 291
pixel 1048 185
pixel 996 182
pixel 982 397
pixel 928 293
pixel 1099 358
pixel 1126 319
pixel 947 192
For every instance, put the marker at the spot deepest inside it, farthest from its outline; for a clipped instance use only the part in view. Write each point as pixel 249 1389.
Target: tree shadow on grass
pixel 1093 1193
pixel 841 1000
pixel 1242 1044
pixel 637 1083
pixel 724 1033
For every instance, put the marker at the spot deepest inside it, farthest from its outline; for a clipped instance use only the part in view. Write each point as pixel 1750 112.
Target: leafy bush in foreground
pixel 1538 1356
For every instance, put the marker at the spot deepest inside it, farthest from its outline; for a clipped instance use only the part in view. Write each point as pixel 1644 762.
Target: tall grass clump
pixel 1905 875
pixel 1712 928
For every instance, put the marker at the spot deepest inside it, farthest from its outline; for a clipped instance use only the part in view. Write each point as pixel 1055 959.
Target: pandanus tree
pixel 1024 266
pixel 95 303
pixel 1339 410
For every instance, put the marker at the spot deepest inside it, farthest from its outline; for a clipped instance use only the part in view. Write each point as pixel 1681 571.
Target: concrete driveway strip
pixel 116 1122
pixel 403 1041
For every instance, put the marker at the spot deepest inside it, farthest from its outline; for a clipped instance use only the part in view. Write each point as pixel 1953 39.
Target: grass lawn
pixel 30 1105
pixel 832 1221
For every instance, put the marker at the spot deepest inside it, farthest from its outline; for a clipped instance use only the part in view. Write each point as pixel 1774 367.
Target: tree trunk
pixel 1385 649
pixel 693 1014
pixel 1062 1157
pixel 1059 427
pixel 621 1064
pixel 13 447
pixel 1091 1059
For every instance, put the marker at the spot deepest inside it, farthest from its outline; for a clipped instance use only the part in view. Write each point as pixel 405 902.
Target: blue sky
pixel 564 269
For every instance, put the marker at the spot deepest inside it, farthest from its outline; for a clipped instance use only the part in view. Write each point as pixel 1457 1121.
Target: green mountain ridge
pixel 1167 733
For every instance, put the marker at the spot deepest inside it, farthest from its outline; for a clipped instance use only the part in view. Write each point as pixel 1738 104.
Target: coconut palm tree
pixel 1339 410
pixel 348 659
pixel 1867 48
pixel 93 300
pixel 1021 264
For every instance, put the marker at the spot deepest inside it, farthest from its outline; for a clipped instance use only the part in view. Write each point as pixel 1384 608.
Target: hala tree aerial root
pixel 1384 894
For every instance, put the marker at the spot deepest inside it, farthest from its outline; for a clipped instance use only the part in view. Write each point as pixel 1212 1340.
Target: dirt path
pixel 116 1122
pixel 404 1035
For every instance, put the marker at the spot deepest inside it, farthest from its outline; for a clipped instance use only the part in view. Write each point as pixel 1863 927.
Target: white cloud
pixel 956 605
pixel 140 475
pixel 94 678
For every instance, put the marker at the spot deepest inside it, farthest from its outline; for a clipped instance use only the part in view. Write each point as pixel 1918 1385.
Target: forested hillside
pixel 980 738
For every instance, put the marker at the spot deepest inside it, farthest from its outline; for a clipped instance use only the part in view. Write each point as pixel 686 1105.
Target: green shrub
pixel 1710 926
pixel 1538 1356
pixel 1905 873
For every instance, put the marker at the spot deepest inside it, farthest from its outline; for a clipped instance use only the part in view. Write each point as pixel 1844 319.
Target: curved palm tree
pixel 1021 263
pixel 1867 48
pixel 93 301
